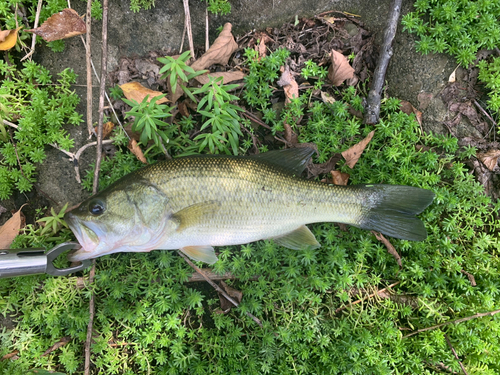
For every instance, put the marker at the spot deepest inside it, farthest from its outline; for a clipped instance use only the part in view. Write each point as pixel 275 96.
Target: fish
pixel 196 203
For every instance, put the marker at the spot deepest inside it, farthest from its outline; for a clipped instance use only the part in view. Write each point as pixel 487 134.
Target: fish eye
pixel 96 207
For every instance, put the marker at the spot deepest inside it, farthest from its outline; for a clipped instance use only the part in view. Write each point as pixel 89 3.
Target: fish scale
pixel 196 202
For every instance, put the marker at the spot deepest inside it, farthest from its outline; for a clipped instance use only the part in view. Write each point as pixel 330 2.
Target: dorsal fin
pixel 292 160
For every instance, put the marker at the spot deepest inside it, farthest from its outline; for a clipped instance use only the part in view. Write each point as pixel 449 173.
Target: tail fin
pixel 393 209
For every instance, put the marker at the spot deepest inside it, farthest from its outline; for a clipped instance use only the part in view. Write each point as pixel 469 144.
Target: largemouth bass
pixel 197 202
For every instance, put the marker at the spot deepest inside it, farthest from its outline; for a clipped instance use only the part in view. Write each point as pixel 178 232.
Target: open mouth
pixel 87 238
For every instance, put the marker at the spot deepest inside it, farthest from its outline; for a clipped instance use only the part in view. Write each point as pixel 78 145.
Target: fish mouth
pixel 87 238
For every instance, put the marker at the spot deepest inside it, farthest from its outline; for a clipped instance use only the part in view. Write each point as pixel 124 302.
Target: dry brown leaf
pixel 220 51
pixel 340 69
pixel 290 86
pixel 352 154
pixel 262 48
pixel 390 249
pixel 226 77
pixel 61 25
pixel 10 229
pixel 327 98
pixel 136 91
pixel 408 108
pixel 231 292
pixel 183 108
pixel 107 128
pixel 339 178
pixel 490 158
pixel 290 135
pixel 136 150
pixel 10 355
pixel 8 39
pixel 57 345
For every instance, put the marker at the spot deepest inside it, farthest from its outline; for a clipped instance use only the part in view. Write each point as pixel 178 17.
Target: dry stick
pixel 104 63
pixel 456 321
pixel 216 287
pixel 207 43
pixel 187 22
pixel 33 41
pixel 369 296
pixel 88 25
pixel 91 322
pixel 455 353
pixel 373 103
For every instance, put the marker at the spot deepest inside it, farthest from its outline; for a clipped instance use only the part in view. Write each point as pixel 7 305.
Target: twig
pixel 207 42
pixel 8 123
pixel 390 248
pixel 187 23
pixel 182 39
pixel 63 341
pixel 197 277
pixel 88 60
pixel 368 296
pixel 373 102
pixel 33 41
pixel 104 63
pixel 456 321
pixel 455 354
pixel 216 287
pixel 88 341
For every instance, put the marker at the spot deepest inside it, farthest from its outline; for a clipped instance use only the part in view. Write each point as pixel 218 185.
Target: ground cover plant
pixel 320 310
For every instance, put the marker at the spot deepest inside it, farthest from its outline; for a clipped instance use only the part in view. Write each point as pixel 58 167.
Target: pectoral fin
pixel 200 253
pixel 299 239
pixel 195 214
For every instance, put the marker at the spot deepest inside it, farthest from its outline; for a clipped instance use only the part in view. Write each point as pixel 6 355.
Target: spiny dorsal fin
pixel 292 160
pixel 301 238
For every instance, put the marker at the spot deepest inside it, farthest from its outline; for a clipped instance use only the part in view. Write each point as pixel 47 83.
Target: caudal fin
pixel 392 210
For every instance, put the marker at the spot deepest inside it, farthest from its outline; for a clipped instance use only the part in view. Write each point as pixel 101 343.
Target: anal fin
pixel 204 254
pixel 301 238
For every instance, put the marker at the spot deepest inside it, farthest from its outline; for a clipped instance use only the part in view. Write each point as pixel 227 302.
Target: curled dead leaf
pixel 340 69
pixel 327 98
pixel 290 86
pixel 352 154
pixel 136 150
pixel 220 51
pixel 107 128
pixel 489 159
pixel 10 229
pixel 339 178
pixel 136 91
pixel 57 345
pixel 408 108
pixel 8 39
pixel 61 25
pixel 226 76
pixel 231 292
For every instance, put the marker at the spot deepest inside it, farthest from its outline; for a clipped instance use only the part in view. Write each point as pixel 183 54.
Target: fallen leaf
pixel 262 48
pixel 290 86
pixel 231 292
pixel 226 77
pixel 2 209
pixel 390 249
pixel 8 39
pixel 220 51
pixel 136 150
pixel 183 109
pixel 290 135
pixel 136 91
pixel 314 170
pixel 340 69
pixel 339 178
pixel 327 98
pixel 408 108
pixel 61 25
pixel 352 154
pixel 453 77
pixel 57 345
pixel 107 128
pixel 470 276
pixel 331 19
pixel 10 229
pixel 490 158
pixel 10 355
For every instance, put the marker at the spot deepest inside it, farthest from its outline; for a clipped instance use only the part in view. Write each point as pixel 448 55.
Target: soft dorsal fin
pixel 301 238
pixel 292 160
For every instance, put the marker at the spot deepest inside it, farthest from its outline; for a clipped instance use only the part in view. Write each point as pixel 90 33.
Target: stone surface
pixel 410 76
